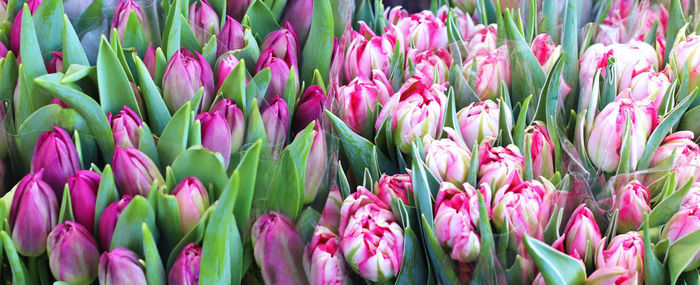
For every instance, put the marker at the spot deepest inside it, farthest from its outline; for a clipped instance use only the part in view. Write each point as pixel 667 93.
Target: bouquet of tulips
pixel 349 142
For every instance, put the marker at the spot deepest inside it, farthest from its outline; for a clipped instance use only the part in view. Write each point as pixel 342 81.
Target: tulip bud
pixel 479 121
pixel 149 59
pixel 231 37
pixel 310 108
pixel 366 52
pixel 109 218
pixel 279 73
pixel 121 266
pixel 447 160
pixel 358 101
pixel 125 128
pixel 73 253
pixel 677 153
pixel 416 111
pixel 316 164
pixel 500 167
pixel 693 197
pixel 632 203
pixel 16 32
pixel 203 20
pixel 582 233
pixel 625 250
pixel 541 149
pixel 370 237
pixel 330 217
pixel 398 185
pixel 545 51
pixel 283 44
pixel 278 249
pixel 649 87
pixel 121 18
pixel 276 121
pixel 423 31
pixel 185 270
pixel 237 8
pixel 613 276
pixel 430 61
pixel 301 24
pixel 226 64
pixel 681 224
pixel 56 62
pixel 83 188
pixel 184 76
pixel 234 118
pixel 454 229
pixel 606 138
pixel 684 53
pixel 34 212
pixel 3 49
pixel 134 172
pixel 483 38
pixel 323 260
pixel 489 68
pixel 56 154
pixel 523 209
pixel 216 135
pixel 192 201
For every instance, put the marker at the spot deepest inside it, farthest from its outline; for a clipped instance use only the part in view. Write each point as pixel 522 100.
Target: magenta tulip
pixel 278 249
pixel 83 188
pixel 121 266
pixel 73 253
pixel 185 270
pixel 108 220
pixel 192 201
pixel 235 120
pixel 134 172
pixel 56 154
pixel 216 135
pixel 33 213
pixel 203 20
pixel 125 128
pixel 185 74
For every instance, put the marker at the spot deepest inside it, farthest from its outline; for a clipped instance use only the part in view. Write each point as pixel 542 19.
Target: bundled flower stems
pixel 349 142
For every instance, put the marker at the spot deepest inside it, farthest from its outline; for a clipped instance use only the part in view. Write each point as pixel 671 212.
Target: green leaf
pixel 487 262
pixel 127 232
pixel 525 69
pixel 155 273
pixel 550 19
pixel 134 34
pixel 650 38
pixel 32 62
pixel 441 263
pixel 48 22
pixel 188 39
pixel 66 213
pixel 421 188
pixel 357 149
pixel 569 47
pixel 624 165
pixel 73 52
pixel 86 107
pixel 262 21
pixel 168 219
pixel 234 86
pixel 665 209
pixel 106 194
pixel 413 266
pixel 654 271
pixel 555 266
pixel 172 30
pixel 195 235
pixel 676 21
pixel 319 45
pixel 550 90
pixel 174 139
pixel 286 193
pixel 257 87
pixel 115 90
pixel 210 170
pixel 250 52
pixel 666 125
pixel 8 77
pixel 19 271
pixel 682 255
pixel 158 114
pixel 255 129
pixel 244 192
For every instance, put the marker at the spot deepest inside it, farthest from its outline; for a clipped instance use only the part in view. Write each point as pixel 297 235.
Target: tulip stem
pixel 38 270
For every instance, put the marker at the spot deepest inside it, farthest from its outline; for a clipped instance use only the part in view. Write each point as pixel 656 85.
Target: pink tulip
pixel 134 172
pixel 483 38
pixel 225 65
pixel 479 121
pixel 500 167
pixel 316 164
pixel 192 201
pixel 416 111
pixel 3 49
pixel 121 17
pixel 625 250
pixel 149 59
pixel 395 14
pixel 447 160
pixel 16 32
pixel 33 213
pixel 422 31
pixel 632 201
pixel 185 74
pixel 649 88
pixel 56 62
pixel 235 120
pixel 454 225
pixel 693 197
pixel 284 44
pixel 524 209
pixel 57 155
pixel 492 68
pixel 121 266
pixel 683 223
pixel 83 188
pixel 398 185
pixel 279 73
pixel 231 37
pixel 545 51
pixel 541 149
pixel 358 100
pixel 278 249
pixel 185 270
pixel 330 217
pixel 605 139
pixel 215 133
pixel 677 153
pixel 432 62
pixel 582 234
pixel 323 260
pixel 366 52
pixel 370 237
pixel 275 118
pixel 203 20
pixel 125 128
pixel 613 276
pixel 685 53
